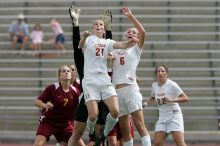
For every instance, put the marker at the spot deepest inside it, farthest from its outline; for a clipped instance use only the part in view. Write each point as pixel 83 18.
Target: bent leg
pixel 112 104
pixel 24 42
pixel 159 138
pixel 76 138
pixel 138 119
pixel 14 41
pixel 178 138
pixel 125 128
pixel 112 117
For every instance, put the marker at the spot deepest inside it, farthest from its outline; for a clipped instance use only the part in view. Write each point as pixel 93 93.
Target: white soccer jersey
pixel 125 65
pixel 95 55
pixel 169 89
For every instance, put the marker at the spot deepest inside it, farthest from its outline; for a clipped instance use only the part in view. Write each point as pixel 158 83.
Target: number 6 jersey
pixel 125 65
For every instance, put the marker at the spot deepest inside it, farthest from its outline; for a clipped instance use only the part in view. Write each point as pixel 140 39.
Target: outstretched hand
pixel 126 11
pixel 86 34
pixel 74 13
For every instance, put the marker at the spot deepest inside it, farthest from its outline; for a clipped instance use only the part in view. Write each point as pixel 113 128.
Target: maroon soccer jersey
pixel 65 104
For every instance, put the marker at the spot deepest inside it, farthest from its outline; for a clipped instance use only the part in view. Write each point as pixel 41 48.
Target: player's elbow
pixel 186 99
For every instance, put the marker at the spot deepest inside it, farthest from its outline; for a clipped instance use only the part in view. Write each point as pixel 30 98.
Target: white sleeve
pixel 152 91
pixel 109 45
pixel 177 90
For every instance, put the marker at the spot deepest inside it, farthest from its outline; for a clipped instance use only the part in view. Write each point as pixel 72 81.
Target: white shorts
pixel 174 123
pixel 97 87
pixel 130 99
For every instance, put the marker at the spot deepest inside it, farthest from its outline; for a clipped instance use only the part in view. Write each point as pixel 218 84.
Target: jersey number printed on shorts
pixel 99 51
pixel 122 60
pixel 161 101
pixel 65 101
pixel 86 96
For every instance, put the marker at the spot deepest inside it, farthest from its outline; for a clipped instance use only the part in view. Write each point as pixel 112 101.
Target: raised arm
pixel 78 54
pixel 127 12
pixel 124 44
pixel 107 19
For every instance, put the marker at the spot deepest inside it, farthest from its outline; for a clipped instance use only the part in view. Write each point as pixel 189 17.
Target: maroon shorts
pixel 116 131
pixel 62 134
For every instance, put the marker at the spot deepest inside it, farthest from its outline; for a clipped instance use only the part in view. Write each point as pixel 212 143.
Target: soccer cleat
pixel 100 139
pixel 92 136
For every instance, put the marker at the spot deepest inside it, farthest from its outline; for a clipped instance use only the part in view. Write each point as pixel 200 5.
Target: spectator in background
pixel 59 37
pixel 36 37
pixel 19 32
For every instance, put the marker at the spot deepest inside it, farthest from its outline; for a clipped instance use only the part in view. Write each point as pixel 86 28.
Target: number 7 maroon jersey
pixel 65 104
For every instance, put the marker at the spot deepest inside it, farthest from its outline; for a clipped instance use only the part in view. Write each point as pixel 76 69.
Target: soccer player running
pixel 167 94
pixel 124 79
pixel 58 103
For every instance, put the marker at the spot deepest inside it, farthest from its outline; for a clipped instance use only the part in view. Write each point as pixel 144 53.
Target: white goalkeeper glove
pixel 74 14
pixel 107 19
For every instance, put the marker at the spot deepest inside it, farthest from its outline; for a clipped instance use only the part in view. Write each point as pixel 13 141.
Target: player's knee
pixel 93 118
pixel 158 142
pixel 77 135
pixel 112 142
pixel 14 38
pixel 114 113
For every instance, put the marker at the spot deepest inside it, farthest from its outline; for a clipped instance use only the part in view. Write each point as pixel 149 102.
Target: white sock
pixel 110 123
pixel 145 140
pixel 128 143
pixel 91 125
